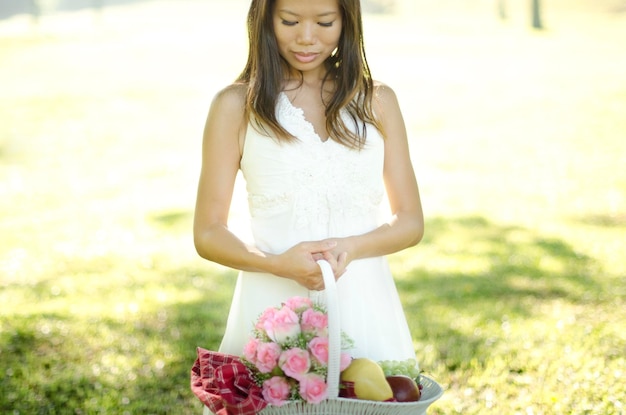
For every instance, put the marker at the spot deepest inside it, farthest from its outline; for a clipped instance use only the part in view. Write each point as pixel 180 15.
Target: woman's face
pixel 307 32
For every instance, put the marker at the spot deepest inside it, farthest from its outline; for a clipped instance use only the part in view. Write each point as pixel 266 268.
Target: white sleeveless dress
pixel 311 190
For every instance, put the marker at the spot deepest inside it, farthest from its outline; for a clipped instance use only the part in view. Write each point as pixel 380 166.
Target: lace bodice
pixel 308 186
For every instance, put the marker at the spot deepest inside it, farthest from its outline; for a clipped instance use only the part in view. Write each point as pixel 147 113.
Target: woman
pixel 320 144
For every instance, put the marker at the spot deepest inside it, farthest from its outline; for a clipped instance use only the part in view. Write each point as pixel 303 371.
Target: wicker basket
pixel 334 405
pixel 341 406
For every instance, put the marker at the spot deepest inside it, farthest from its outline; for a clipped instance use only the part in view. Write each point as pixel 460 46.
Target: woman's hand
pixel 338 257
pixel 299 263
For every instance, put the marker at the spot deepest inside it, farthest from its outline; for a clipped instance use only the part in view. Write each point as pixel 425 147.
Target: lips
pixel 305 57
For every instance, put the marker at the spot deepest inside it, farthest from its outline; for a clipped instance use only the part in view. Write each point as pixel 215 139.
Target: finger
pixel 322 246
pixel 317 256
pixel 328 256
pixel 342 263
pixel 342 259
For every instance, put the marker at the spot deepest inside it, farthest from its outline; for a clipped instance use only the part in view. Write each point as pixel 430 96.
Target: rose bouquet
pixel 287 354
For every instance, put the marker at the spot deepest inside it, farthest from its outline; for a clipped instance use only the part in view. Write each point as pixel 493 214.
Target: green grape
pixel 406 367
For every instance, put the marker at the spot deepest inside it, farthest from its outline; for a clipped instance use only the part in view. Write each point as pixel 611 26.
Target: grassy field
pixel 516 296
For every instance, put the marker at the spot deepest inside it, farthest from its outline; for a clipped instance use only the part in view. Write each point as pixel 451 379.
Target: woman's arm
pixel 224 129
pixel 222 146
pixel 406 225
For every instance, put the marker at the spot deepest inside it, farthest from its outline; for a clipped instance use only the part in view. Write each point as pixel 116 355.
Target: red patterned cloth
pixel 223 383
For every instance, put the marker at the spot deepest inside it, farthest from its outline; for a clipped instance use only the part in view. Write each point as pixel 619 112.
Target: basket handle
pixel 334 329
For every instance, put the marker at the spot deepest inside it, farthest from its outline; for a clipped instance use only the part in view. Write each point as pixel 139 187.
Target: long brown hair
pixel 347 68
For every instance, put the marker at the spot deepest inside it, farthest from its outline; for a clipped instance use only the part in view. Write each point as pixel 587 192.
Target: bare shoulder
pixel 385 102
pixel 227 116
pixel 227 121
pixel 231 99
pixel 383 93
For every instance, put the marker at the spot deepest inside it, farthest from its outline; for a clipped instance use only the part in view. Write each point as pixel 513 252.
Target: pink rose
pixel 315 322
pixel 267 355
pixel 297 303
pixel 249 350
pixel 295 362
pixel 313 388
pixel 268 314
pixel 276 390
pixel 344 361
pixel 283 325
pixel 319 349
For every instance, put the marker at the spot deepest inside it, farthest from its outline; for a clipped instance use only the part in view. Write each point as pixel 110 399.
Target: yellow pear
pixel 369 380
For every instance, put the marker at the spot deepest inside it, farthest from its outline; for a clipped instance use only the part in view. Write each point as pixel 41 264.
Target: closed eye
pixel 329 24
pixel 289 23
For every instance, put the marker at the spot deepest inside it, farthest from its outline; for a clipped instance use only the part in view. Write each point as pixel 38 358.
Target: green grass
pixel 515 297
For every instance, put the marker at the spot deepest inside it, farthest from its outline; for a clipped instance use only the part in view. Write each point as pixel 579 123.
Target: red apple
pixel 404 388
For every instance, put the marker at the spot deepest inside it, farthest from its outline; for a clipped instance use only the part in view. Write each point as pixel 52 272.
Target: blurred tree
pixel 35 9
pixel 39 8
pixel 502 9
pixel 536 21
pixel 536 14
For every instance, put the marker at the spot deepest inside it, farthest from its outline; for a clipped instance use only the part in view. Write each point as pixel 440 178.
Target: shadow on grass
pixel 485 275
pixel 129 363
pixel 459 286
pixel 604 220
pixel 513 264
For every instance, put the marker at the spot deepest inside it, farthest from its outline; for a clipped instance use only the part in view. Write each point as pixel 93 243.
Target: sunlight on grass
pixel 515 296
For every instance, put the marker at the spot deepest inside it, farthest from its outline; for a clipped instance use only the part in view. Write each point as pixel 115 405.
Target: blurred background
pixel 516 112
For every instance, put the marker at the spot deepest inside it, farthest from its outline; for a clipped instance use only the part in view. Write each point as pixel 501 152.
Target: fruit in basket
pixel 404 388
pixel 368 379
pixel 407 367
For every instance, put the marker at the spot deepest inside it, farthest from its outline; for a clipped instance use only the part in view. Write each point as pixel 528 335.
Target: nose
pixel 306 36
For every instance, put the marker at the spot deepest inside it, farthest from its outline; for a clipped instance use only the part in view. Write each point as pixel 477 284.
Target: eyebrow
pixel 325 14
